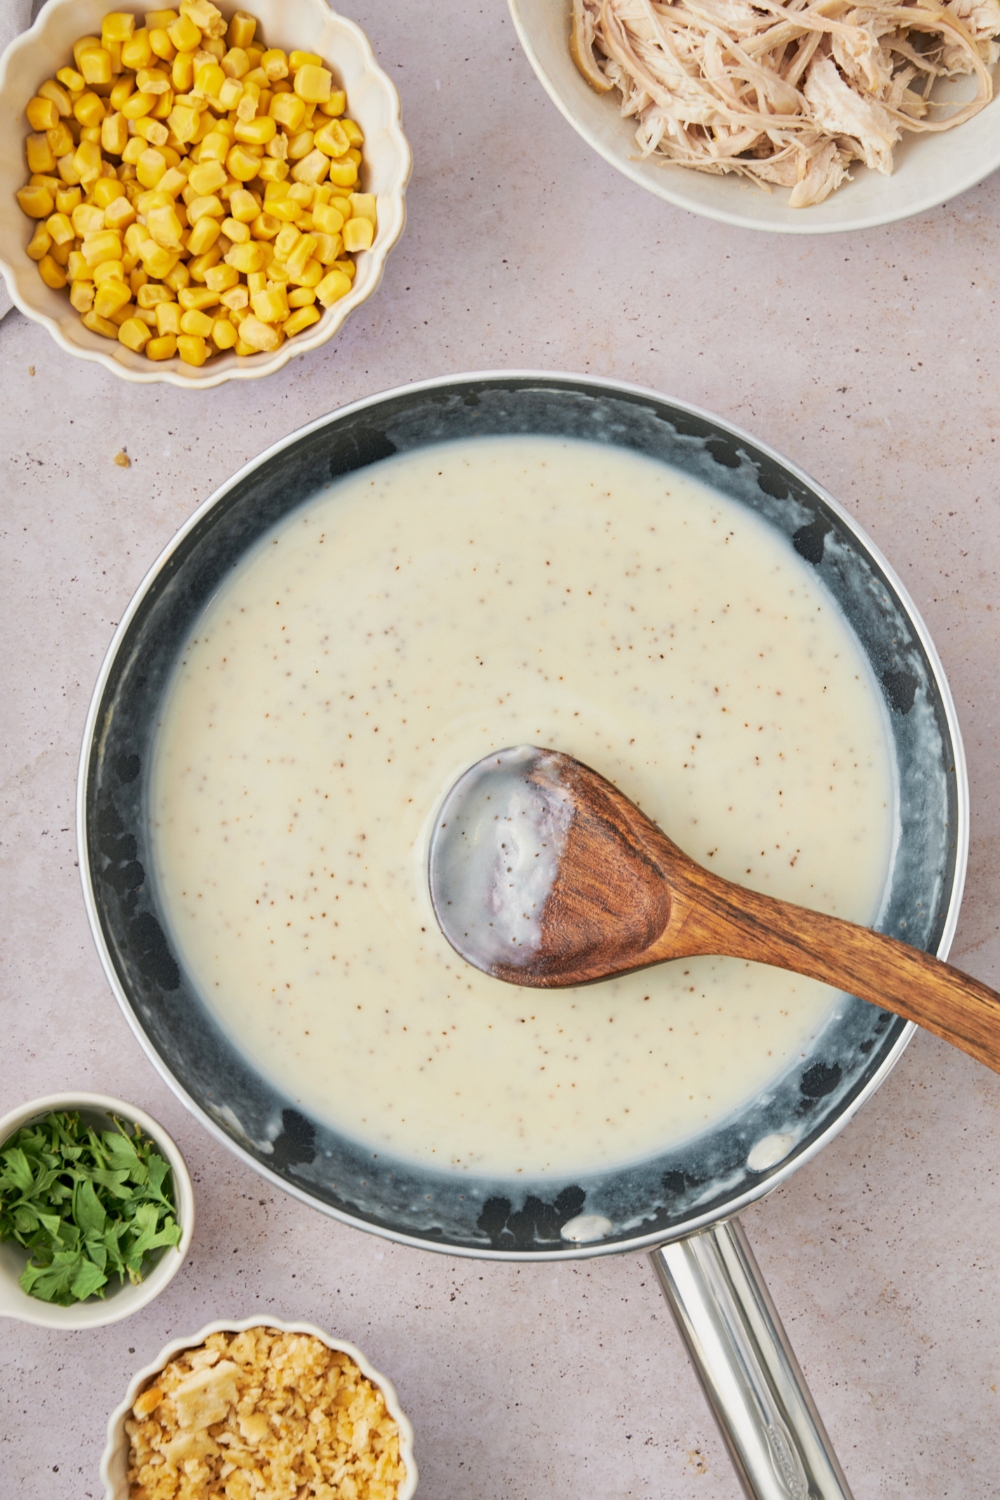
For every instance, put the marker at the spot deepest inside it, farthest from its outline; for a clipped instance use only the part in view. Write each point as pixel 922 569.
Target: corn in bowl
pixel 194 190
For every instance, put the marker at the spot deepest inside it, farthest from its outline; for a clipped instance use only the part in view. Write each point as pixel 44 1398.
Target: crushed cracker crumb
pixel 262 1415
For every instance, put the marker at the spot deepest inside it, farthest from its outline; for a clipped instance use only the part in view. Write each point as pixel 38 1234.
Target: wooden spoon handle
pixel 710 915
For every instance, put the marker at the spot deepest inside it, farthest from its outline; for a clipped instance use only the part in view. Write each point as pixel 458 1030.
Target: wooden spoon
pixel 544 874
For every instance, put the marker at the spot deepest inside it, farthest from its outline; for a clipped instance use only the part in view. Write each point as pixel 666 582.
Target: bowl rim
pixel 172 372
pixel 117 1437
pixel 130 1298
pixel 586 1250
pixel 960 183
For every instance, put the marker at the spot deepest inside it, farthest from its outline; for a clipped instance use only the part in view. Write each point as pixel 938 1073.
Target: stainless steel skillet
pixel 680 1203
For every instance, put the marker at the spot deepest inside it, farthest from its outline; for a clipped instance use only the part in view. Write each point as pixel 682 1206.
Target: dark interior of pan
pixel 688 1183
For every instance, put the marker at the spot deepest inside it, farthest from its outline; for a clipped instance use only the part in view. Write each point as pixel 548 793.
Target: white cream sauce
pixel 397 628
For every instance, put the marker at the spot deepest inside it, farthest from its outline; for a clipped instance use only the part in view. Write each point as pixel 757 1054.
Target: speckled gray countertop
pixel 870 360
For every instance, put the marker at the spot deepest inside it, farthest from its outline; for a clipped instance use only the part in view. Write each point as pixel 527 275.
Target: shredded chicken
pixel 786 92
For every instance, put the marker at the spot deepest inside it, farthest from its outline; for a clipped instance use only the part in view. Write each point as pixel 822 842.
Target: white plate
pixel 306 24
pixel 929 169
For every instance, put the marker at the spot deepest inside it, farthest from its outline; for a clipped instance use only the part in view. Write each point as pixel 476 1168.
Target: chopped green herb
pixel 86 1205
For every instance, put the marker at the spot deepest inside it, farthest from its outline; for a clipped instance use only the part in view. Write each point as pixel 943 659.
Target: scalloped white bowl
pixel 114 1462
pixel 929 170
pixel 121 1301
pixel 306 24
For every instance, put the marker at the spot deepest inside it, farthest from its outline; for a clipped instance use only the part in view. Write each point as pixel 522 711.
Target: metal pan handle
pixel 745 1363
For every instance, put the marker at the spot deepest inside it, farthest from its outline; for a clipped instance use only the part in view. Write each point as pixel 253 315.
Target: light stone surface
pixel 869 359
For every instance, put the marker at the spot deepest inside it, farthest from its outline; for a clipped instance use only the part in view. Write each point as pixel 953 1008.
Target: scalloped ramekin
pixel 114 1462
pixel 306 24
pixel 121 1301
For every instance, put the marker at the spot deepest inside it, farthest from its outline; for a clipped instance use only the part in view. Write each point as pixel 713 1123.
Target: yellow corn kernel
pixel 118 25
pixel 39 154
pixel 184 34
pixel 197 298
pixel 328 248
pixel 40 243
pixel 313 83
pixel 133 333
pixel 347 266
pixel 302 193
pixel 288 238
pixel 259 335
pixel 311 274
pixel 173 179
pixel 95 65
pixel 335 284
pixel 153 81
pixel 283 210
pixel 97 324
pixel 150 167
pixel 67 198
pixel 207 177
pixel 336 104
pixel 235 63
pixel 71 80
pixel 91 133
pixel 343 205
pixel 223 334
pixel 155 18
pixel 160 44
pixel 343 173
pixel 165 227
pixel 203 235
pixel 327 218
pixel 353 131
pixel 301 296
pixel 138 105
pixel 60 139
pixel 241 29
pixel 193 321
pixel 168 317
pixel 235 231
pixel 182 71
pixel 299 59
pixel 276 192
pixel 81 296
pixel 42 113
pixel 230 93
pixel 67 169
pixel 314 167
pixel 122 91
pixel 149 293
pixel 214 148
pixel 85 219
pixel 256 132
pixel 184 121
pixel 246 109
pixel 300 145
pixel 243 205
pixel 287 110
pixel 272 170
pixel 299 320
pixel 61 254
pixel 221 278
pixel 178 278
pixel 153 131
pixel 77 268
pixel 208 80
pixel 110 296
pixel 106 244
pixel 106 190
pixel 137 279
pixel 236 298
pixel 246 258
pixel 202 264
pixel 52 273
pixel 331 139
pixel 358 234
pixel 162 348
pixel 109 270
pixel 242 164
pixel 60 228
pixel 119 214
pixel 274 64
pixel 163 107
pixel 265 227
pixel 270 306
pixel 57 95
pixel 158 260
pixel 198 208
pixel 192 349
pixel 256 282
pixel 299 255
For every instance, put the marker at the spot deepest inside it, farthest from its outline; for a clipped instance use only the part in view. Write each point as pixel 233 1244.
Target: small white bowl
pixel 120 1301
pixel 114 1462
pixel 929 169
pixel 309 25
